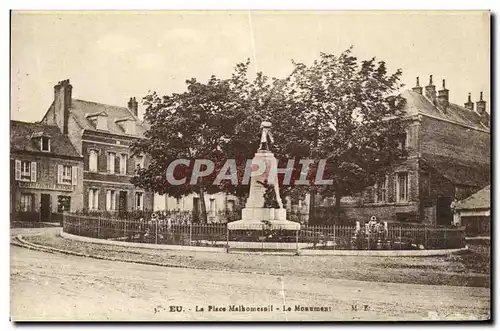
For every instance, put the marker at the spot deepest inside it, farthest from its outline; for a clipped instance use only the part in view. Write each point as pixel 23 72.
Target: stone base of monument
pixel 259 218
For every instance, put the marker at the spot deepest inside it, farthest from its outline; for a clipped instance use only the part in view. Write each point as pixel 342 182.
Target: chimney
pixel 481 105
pixel 62 104
pixel 132 105
pixel 430 91
pixel 443 97
pixel 469 104
pixel 417 88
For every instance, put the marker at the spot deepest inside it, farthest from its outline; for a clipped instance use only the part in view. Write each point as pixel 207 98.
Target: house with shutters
pixel 46 171
pixel 102 135
pixel 447 159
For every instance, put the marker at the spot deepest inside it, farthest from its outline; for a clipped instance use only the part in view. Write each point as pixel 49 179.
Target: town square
pixel 250 166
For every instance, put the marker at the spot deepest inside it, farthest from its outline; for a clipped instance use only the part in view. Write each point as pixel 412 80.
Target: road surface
pixel 47 286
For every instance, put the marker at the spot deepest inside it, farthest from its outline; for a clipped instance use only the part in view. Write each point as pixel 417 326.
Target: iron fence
pixel 173 231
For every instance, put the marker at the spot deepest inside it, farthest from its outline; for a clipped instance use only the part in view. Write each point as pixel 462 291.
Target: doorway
pixel 122 202
pixel 45 208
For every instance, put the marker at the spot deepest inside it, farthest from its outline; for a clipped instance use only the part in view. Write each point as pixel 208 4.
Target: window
pixel 402 142
pixel 26 202
pixel 64 174
pixel 102 123
pixel 93 154
pixel 111 197
pixel 129 127
pixel 25 171
pixel 45 144
pixel 139 162
pixel 381 190
pixel 93 199
pixel 111 162
pixel 63 203
pixel 123 164
pixel 402 187
pixel 139 200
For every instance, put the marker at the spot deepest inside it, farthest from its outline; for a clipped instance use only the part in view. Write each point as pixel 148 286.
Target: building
pixel 46 172
pixel 448 158
pixel 473 212
pixel 102 135
pixel 219 205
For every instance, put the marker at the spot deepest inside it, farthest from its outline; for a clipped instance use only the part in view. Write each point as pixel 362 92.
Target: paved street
pixel 48 286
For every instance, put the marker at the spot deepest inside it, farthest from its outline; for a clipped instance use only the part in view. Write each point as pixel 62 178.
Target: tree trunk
pixel 338 196
pixel 203 206
pixel 312 206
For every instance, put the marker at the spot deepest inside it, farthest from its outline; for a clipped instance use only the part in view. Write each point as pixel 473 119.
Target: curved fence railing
pixel 333 237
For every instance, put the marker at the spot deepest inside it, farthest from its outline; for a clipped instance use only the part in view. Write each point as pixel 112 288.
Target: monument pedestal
pixel 255 216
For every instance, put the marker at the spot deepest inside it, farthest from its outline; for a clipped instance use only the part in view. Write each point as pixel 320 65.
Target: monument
pixel 257 213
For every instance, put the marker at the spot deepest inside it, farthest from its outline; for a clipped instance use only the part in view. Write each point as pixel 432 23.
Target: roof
pixel 459 171
pixel 21 134
pixel 80 109
pixel 479 200
pixel 418 104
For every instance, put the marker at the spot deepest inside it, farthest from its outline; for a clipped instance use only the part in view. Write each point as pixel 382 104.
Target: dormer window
pixel 45 144
pixel 127 124
pixel 99 120
pixel 42 141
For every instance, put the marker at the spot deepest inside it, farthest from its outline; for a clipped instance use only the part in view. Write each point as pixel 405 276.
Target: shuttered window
pixel 111 162
pixel 111 198
pixel 139 200
pixel 93 199
pixel 93 154
pixel 25 171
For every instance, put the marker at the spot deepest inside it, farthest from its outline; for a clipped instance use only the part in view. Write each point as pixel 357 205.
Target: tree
pixel 354 118
pixel 192 125
pixel 346 112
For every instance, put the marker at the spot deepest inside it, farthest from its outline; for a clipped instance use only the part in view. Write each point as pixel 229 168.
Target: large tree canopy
pixel 346 112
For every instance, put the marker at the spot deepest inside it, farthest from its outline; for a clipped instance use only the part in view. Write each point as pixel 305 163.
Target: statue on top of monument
pixel 266 138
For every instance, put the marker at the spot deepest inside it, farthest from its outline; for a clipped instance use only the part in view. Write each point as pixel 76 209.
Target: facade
pixel 102 135
pixel 46 171
pixel 448 158
pixel 473 212
pixel 217 205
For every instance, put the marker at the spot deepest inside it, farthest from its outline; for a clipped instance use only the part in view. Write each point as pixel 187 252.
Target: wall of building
pixel 102 180
pixel 46 181
pixel 215 203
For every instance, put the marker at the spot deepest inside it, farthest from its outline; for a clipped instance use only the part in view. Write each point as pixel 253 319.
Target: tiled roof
pixel 81 108
pixel 458 171
pixel 479 200
pixel 21 134
pixel 418 104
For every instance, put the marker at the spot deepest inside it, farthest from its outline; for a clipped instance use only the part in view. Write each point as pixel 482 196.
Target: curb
pixel 26 244
pixel 141 245
pixel 301 252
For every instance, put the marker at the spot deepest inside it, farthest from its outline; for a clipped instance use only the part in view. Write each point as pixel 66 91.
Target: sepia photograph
pixel 250 166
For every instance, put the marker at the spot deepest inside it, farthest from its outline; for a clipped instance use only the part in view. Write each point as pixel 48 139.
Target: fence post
pixel 334 239
pixel 297 241
pixel 227 239
pixel 190 232
pixel 156 232
pixel 445 239
pixel 400 238
pixel 79 225
pixel 425 236
pixel 99 227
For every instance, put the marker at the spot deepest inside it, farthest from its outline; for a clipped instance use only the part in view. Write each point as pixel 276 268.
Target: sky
pixel 112 56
